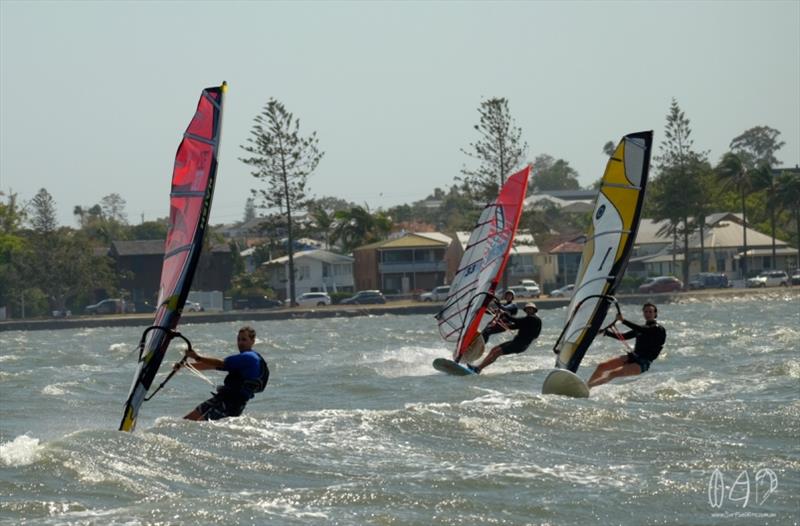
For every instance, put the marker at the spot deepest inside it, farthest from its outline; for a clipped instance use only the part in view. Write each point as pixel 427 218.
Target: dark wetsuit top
pixel 650 338
pixel 528 329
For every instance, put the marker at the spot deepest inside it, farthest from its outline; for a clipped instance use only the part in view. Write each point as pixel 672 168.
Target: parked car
pixel 318 299
pixel 522 291
pixel 563 292
pixel 365 297
pixel 438 294
pixel 795 279
pixel 534 290
pixel 256 302
pixel 109 306
pixel 709 280
pixel 770 278
pixel 192 306
pixel 661 284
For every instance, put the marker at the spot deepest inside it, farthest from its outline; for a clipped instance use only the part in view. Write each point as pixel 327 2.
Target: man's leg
pixel 629 369
pixel 194 415
pixel 613 363
pixel 493 355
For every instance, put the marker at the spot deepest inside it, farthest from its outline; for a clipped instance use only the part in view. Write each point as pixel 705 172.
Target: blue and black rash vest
pixel 248 374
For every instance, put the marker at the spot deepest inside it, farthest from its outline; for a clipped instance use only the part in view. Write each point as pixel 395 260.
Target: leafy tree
pixel 357 226
pixel 787 198
pixel 552 174
pixel 756 148
pixel 149 230
pixel 13 246
pixel 322 223
pixel 283 160
pixel 732 172
pixel 499 150
pixel 105 221
pixel 61 262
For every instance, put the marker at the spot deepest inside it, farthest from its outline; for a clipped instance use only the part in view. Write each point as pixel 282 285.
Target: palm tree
pixel 787 198
pixel 764 180
pixel 733 174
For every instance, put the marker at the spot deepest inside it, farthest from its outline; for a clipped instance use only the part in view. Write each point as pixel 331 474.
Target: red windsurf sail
pixel 193 179
pixel 482 265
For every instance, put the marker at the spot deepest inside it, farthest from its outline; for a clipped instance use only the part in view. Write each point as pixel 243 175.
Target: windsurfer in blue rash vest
pixel 504 312
pixel 650 340
pixel 528 328
pixel 247 374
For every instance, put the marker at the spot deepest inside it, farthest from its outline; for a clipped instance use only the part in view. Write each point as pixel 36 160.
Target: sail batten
pixel 193 179
pixel 609 242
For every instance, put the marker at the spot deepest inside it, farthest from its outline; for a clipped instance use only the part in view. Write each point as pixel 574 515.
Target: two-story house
pixel 407 262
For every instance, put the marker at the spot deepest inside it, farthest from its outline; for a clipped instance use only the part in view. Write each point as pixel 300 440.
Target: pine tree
pixel 500 150
pixel 283 160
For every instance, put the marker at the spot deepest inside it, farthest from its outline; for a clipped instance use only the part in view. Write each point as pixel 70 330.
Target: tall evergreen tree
pixel 679 196
pixel 499 150
pixel 249 210
pixel 282 159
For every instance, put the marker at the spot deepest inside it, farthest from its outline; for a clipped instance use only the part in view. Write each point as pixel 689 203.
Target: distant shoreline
pixel 403 307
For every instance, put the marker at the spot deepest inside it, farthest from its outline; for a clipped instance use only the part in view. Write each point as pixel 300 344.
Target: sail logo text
pixel 742 492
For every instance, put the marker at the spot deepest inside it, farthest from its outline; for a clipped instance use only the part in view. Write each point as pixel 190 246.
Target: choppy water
pixel 357 428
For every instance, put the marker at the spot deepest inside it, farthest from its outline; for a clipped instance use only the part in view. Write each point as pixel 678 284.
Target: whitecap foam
pixel 21 451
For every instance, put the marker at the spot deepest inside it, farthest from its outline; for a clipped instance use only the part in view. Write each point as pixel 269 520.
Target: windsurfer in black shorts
pixel 248 374
pixel 528 329
pixel 650 339
pixel 504 312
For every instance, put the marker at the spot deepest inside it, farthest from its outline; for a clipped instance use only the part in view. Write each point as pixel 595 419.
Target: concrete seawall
pixel 338 311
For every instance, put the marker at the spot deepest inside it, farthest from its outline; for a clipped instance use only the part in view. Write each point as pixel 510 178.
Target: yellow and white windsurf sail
pixel 609 242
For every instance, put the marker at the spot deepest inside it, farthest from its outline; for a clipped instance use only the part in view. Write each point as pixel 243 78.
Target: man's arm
pixel 202 363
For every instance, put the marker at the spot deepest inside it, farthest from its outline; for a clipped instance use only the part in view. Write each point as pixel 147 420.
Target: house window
pixel 326 269
pixel 303 272
pixel 397 256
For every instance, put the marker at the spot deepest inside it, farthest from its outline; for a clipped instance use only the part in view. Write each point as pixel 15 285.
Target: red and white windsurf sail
pixel 482 265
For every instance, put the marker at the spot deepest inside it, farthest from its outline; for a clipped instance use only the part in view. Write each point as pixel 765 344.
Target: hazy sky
pixel 94 96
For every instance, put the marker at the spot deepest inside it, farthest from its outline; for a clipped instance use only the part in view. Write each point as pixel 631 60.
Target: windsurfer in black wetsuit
pixel 248 374
pixel 650 339
pixel 528 329
pixel 504 313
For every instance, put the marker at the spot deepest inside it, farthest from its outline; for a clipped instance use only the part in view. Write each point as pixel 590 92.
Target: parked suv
pixel 533 288
pixel 438 294
pixel 522 291
pixel 109 306
pixel 661 284
pixel 709 280
pixel 318 299
pixel 365 297
pixel 796 277
pixel 564 292
pixel 769 278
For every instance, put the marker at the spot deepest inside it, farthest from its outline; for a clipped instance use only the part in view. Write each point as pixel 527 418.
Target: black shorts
pixel 643 363
pixel 218 407
pixel 513 347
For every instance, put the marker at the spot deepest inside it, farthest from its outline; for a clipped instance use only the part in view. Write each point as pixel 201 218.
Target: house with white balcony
pixel 315 271
pixel 406 262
